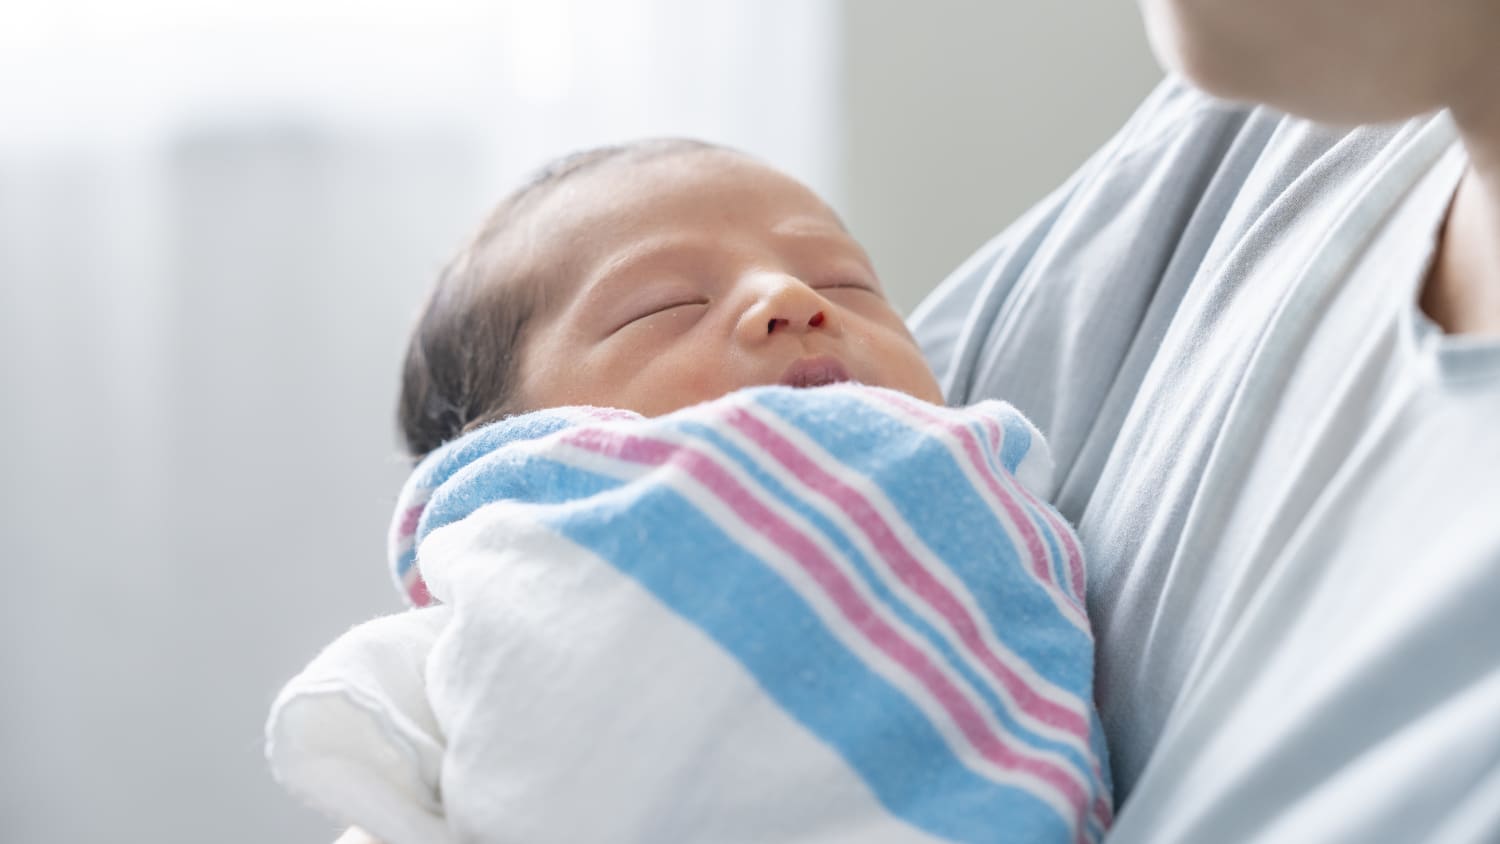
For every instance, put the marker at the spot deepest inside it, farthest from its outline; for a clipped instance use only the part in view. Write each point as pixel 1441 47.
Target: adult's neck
pixel 1462 294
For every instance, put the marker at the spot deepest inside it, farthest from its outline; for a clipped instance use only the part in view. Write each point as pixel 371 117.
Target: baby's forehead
pixel 703 186
pixel 711 200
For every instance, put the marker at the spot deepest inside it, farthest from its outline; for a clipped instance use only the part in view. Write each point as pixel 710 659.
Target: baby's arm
pixel 354 736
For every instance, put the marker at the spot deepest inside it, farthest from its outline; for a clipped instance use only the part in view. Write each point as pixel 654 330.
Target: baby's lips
pixel 815 372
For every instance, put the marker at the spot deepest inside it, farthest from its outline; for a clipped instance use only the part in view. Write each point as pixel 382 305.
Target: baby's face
pixel 694 274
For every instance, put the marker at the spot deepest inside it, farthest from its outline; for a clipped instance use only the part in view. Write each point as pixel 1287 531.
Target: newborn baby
pixel 674 608
pixel 650 277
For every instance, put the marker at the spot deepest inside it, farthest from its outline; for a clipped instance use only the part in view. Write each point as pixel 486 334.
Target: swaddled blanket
pixel 784 615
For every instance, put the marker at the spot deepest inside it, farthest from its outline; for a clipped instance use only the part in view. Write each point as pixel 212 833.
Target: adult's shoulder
pixel 1044 313
pixel 1120 214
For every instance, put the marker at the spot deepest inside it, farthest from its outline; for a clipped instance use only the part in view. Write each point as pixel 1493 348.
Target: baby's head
pixel 649 277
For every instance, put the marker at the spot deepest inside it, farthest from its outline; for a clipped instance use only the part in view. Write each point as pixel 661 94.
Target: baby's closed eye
pixel 862 286
pixel 661 308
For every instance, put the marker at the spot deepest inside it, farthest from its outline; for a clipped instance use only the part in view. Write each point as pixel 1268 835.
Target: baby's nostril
pixel 771 326
pixel 817 319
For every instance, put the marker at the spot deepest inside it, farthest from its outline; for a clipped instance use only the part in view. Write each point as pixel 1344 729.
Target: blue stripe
pixel 1014 448
pixel 1015 430
pixel 407 559
pixel 949 649
pixel 715 583
pixel 1016 444
pixel 476 470
pixel 956 523
pixel 1059 567
pixel 501 477
pixel 452 457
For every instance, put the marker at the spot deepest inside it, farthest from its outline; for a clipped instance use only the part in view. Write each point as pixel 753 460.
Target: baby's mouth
pixel 815 372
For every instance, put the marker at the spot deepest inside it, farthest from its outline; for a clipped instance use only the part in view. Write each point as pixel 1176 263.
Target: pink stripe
pixel 838 588
pixel 1101 805
pixel 909 571
pixel 1102 811
pixel 1064 533
pixel 1029 535
pixel 416 589
pixel 408 524
pixel 995 434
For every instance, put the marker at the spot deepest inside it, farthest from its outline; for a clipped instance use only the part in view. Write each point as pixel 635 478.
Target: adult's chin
pixel 1301 57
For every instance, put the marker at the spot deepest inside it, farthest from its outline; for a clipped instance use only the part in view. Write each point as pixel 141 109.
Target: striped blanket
pixel 785 615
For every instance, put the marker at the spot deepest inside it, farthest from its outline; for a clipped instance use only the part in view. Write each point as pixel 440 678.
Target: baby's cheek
pixel 671 383
pixel 906 370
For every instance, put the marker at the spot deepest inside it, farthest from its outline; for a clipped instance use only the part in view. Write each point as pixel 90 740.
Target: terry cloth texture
pixel 793 615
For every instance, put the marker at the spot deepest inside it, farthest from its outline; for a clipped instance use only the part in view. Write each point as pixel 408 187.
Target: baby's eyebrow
pixel 639 258
pixel 810 227
pixel 645 252
pixel 807 232
pixel 672 252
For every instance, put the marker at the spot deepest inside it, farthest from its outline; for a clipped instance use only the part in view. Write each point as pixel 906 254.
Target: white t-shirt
pixel 1286 478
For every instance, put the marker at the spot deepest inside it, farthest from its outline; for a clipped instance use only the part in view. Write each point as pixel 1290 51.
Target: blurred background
pixel 217 220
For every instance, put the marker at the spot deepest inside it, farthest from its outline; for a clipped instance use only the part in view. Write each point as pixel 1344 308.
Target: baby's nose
pixel 783 304
pixel 775 323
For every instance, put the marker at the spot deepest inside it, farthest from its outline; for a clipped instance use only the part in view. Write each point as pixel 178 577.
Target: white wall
pixel 960 114
pixel 217 220
pixel 199 462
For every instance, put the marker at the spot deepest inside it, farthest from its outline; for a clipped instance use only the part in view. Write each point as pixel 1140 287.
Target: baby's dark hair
pixel 463 358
